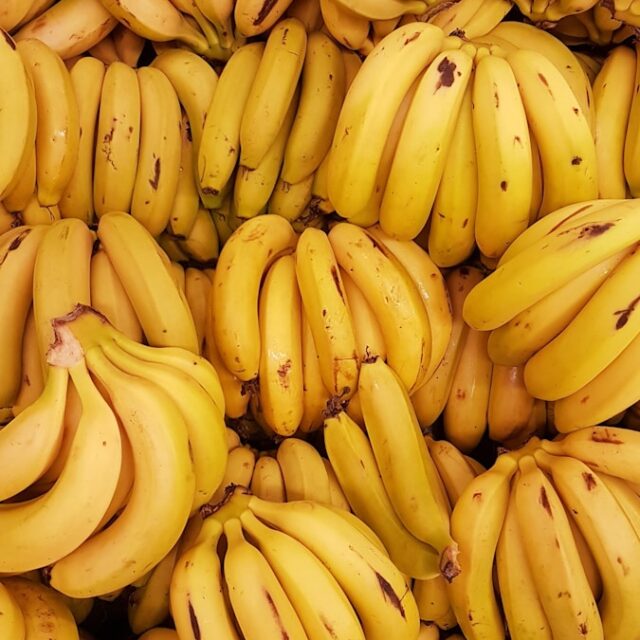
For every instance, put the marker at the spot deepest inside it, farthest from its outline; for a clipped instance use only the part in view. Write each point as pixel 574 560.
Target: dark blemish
pixel 544 501
pixel 583 628
pixel 464 271
pixel 156 175
pixel 543 80
pixel 589 480
pixel 465 223
pixel 188 131
pixel 329 628
pixel 284 368
pixel 624 314
pixel 195 626
pixel 324 313
pixel 276 615
pixel 576 110
pixel 607 438
pixel 503 185
pixel 575 213
pixel 264 11
pixel 390 594
pixel 477 496
pixel 415 36
pixel 461 394
pixel 625 568
pixel 9 39
pixel 589 230
pixel 583 400
pixel 336 280
pixel 209 191
pixel 576 160
pixel 518 139
pixel 446 69
pixel 496 97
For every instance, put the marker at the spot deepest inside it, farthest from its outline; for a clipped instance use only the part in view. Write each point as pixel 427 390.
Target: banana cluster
pixel 293 318
pixel 261 569
pixel 597 25
pixel 473 395
pixel 508 116
pixel 561 303
pixel 559 524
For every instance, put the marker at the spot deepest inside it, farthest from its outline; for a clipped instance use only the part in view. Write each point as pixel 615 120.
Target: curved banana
pixel 144 271
pixel 631 143
pixel 368 111
pixel 348 28
pixel 267 481
pixel 161 497
pixel 159 155
pixel 303 471
pixel 272 90
pixel 32 384
pixel 219 147
pixel 12 623
pixel 394 298
pixel 291 200
pixel 422 149
pixel 197 289
pixel 431 598
pixel 202 243
pixel 70 27
pixel 128 44
pixel 22 190
pixel 41 531
pixel 58 131
pixel 453 468
pixel 240 465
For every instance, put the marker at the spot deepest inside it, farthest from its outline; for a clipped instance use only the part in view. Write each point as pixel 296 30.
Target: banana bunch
pixel 297 569
pixel 461 113
pixel 572 574
pixel 147 423
pixel 561 303
pixel 33 610
pixel 292 319
pixel 544 11
pixel 473 395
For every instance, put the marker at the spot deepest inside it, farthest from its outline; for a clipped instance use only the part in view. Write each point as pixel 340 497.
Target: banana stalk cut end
pixel 449 564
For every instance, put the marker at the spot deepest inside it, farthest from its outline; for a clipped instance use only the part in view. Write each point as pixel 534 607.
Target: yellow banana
pixel 368 111
pixel 304 473
pixel 197 290
pixel 240 465
pixel 422 149
pixel 32 384
pixel 272 90
pixel 87 77
pixel 12 623
pixel 308 12
pixel 202 243
pixel 267 481
pixel 34 214
pixel 159 156
pixel 631 144
pixel 58 132
pixel 117 140
pixel 348 28
pixel 453 468
pixel 128 44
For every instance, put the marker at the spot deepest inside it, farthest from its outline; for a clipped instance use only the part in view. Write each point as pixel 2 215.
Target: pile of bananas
pixel 559 523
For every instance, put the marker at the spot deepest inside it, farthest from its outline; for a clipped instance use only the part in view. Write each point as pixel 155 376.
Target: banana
pixel 21 192
pixel 253 18
pixel 159 156
pixel 567 148
pixel 197 289
pixel 394 298
pixel 195 84
pixel 218 46
pixel 353 460
pixel 160 22
pixel 551 262
pixel 609 534
pixel 87 76
pixel 12 623
pixel 272 91
pixel 70 27
pixel 451 233
pixel 203 419
pixel 453 468
pixel 202 243
pixel 32 384
pixel 516 341
pixel 239 471
pixel 267 481
pixel 148 605
pixel 431 598
pixel 34 214
pixel 117 140
pixel 18 114
pixel 253 187
pixel 8 220
pixel 523 610
pixel 291 200
pixel 304 473
pixel 510 404
pixel 61 276
pixel 553 557
pixel 160 499
pixel 58 131
pixel 198 603
pixel 545 374
pixel 219 13
pixel 476 522
pixel 322 606
pixel 128 44
pixel 430 399
pixel 428 631
pixel 144 271
pixel 45 614
pixel 308 12
pixel 280 372
pixel 18 256
pixel 360 568
pixel 105 51
pixel 484 20
pixel 321 97
pixel 314 394
pixel 466 412
pixel 41 531
pixel 384 11
pixel 408 472
pixel 503 151
pixel 348 28
pixel 368 111
pixel 11 15
pixel 631 144
pixel 30 442
pixel 423 145
pixel 366 328
pixel 338 499
pixel 219 147
pixel 431 286
pixel 236 286
pixel 613 93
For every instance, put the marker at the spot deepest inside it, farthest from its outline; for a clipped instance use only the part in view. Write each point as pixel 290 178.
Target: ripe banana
pixel 87 78
pixel 144 271
pixel 58 131
pixel 202 243
pixel 240 465
pixel 267 481
pixel 32 384
pixel 453 468
pixel 272 90
pixel 303 471
pixel 197 289
pixel 348 28
pixel 423 145
pixel 159 155
pixel 117 140
pixel 631 144
pixel 128 44
pixel 12 623
pixel 368 111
